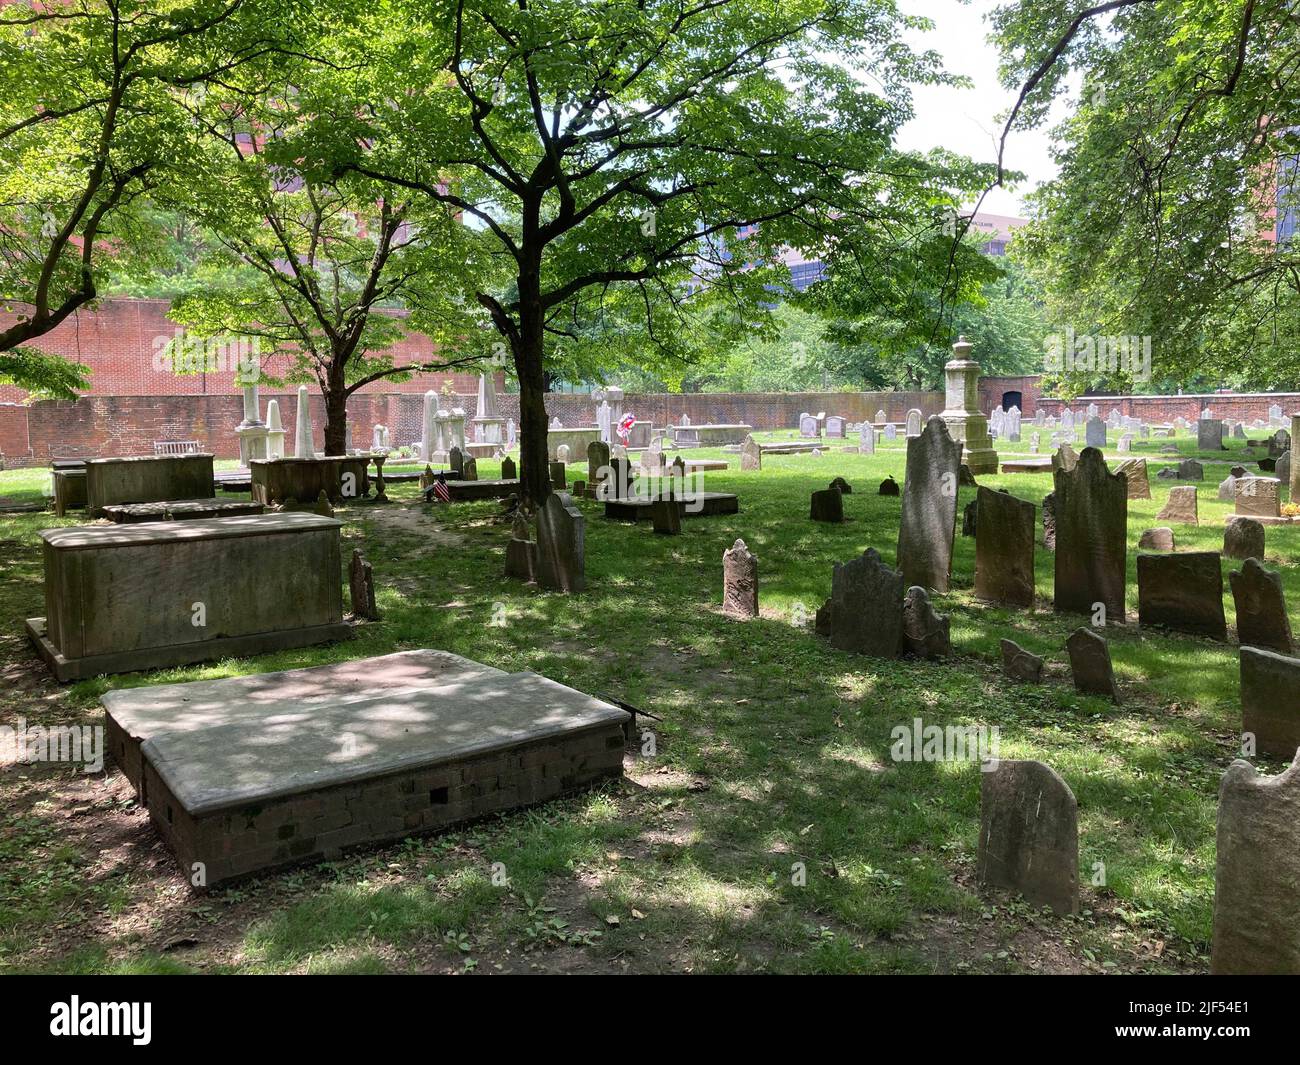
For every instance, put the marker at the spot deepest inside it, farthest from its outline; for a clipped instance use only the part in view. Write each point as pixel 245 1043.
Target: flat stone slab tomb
pixel 179 510
pixel 468 491
pixel 246 774
pixel 698 505
pixel 158 594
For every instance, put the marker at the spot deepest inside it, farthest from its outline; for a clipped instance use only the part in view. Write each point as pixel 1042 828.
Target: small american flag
pixel 440 491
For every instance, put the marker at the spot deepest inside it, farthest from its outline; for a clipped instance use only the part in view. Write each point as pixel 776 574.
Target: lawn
pixel 769 830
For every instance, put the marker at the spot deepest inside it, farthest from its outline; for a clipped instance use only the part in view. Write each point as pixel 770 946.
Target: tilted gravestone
pixel 1180 506
pixel 1090 664
pixel 561 544
pixel 929 515
pixel 865 610
pixel 1243 538
pixel 739 581
pixel 1019 664
pixel 1182 592
pixel 1029 835
pixel 1270 711
pixel 1091 514
pixel 925 631
pixel 1261 608
pixel 751 455
pixel 361 585
pixel 1256 905
pixel 1135 475
pixel 1004 548
pixel 521 551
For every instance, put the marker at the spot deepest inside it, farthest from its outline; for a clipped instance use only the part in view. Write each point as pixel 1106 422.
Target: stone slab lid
pixel 148 710
pixel 345 740
pixel 98 537
pixel 315 460
pixel 189 456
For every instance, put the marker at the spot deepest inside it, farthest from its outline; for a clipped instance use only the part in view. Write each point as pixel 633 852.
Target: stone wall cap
pixel 189 456
pixel 95 537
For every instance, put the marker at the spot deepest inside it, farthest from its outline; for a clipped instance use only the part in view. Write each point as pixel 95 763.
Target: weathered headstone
pixel 1262 619
pixel 559 476
pixel 1180 506
pixel 929 515
pixel 1158 539
pixel 970 518
pixel 925 632
pixel 1257 867
pixel 521 551
pixel 361 585
pixel 1257 497
pixel 1065 458
pixel 1243 538
pixel 1228 489
pixel 1004 548
pixel 1270 708
pixel 597 460
pixel 1282 469
pixel 1029 835
pixel 1182 592
pixel 1191 470
pixel 1209 434
pixel 865 610
pixel 827 505
pixel 914 419
pixel 1091 513
pixel 561 544
pixel 1135 476
pixel 666 515
pixel 1019 664
pixel 889 487
pixel 1049 521
pixel 751 455
pixel 1094 432
pixel 843 485
pixel 1090 664
pixel 509 472
pixel 739 581
pixel 866 439
pixel 456 460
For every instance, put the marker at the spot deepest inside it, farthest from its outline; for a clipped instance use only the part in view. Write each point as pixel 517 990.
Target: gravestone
pixel 1209 435
pixel 597 460
pixel 1159 539
pixel 925 632
pixel 880 417
pixel 970 518
pixel 561 544
pixel 1065 458
pixel 1019 664
pixel 835 427
pixel 1090 664
pixel 961 411
pixel 509 472
pixel 1094 432
pixel 843 485
pixel 1262 619
pixel 827 505
pixel 1257 497
pixel 1279 444
pixel 1256 905
pixel 521 551
pixel 1049 521
pixel 929 514
pixel 888 487
pixel 1126 442
pixel 456 460
pixel 1180 506
pixel 361 585
pixel 1004 548
pixel 866 439
pixel 865 610
pixel 666 515
pixel 559 476
pixel 1135 476
pixel 1029 835
pixel 891 433
pixel 1191 470
pixel 1270 710
pixel 302 435
pixel 1295 457
pixel 739 582
pixel 809 426
pixel 1182 592
pixel 1282 469
pixel 751 454
pixel 913 423
pixel 1243 538
pixel 1091 515
pixel 469 468
pixel 1228 489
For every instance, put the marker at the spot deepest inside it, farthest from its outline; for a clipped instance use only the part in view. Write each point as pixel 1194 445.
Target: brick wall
pixel 1244 407
pixel 118 340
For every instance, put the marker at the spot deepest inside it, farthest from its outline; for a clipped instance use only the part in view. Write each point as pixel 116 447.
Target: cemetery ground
pixel 771 749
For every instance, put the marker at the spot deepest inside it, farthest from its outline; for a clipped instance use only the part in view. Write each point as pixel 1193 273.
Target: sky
pixel 965 120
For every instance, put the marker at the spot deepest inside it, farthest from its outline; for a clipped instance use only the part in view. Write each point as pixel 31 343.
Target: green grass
pixel 773 750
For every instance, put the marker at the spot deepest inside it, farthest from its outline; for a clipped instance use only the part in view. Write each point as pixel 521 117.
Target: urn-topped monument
pixel 961 410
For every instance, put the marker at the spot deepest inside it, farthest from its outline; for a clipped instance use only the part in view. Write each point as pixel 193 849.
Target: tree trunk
pixel 336 418
pixel 534 467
